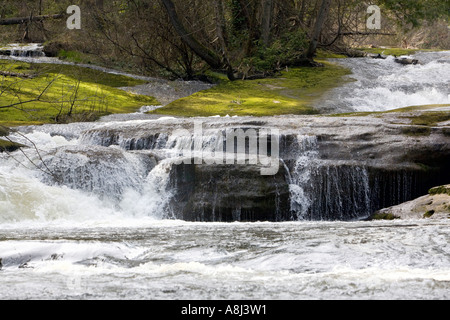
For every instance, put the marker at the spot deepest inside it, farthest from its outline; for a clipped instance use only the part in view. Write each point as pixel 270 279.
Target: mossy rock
pixel 429 214
pixel 9 146
pixel 440 190
pixel 4 131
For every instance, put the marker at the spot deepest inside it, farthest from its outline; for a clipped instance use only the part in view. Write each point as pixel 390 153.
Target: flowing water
pixel 385 85
pixel 87 218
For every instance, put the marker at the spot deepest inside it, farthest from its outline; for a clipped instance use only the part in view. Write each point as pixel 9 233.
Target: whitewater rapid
pixel 382 85
pixel 100 239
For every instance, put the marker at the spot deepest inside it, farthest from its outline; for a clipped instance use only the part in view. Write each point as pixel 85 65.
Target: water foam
pixel 383 85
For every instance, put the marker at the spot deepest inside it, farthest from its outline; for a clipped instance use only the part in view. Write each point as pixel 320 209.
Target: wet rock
pixel 406 61
pixel 356 166
pixel 431 206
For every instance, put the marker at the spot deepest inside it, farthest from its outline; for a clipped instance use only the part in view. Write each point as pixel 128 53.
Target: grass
pixel 95 93
pixel 293 92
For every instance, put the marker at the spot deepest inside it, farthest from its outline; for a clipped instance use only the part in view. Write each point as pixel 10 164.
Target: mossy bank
pixel 49 93
pixel 294 91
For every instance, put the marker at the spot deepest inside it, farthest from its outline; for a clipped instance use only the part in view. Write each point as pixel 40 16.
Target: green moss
pixel 430 118
pixel 440 190
pixel 324 54
pixel 9 146
pixel 72 56
pixel 291 93
pixel 87 75
pixel 429 214
pixel 415 131
pixel 98 94
pixel 384 216
pixel 4 131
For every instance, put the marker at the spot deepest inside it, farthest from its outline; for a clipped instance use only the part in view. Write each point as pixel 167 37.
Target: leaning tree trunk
pixel 203 52
pixel 222 36
pixel 323 12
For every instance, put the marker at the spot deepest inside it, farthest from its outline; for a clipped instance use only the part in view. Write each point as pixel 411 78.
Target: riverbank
pixel 41 93
pixel 98 92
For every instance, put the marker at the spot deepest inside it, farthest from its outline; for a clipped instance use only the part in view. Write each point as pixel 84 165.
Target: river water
pixel 58 242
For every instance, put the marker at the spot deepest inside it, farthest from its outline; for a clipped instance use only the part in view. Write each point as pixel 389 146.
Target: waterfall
pixel 32 50
pixel 330 168
pixel 341 192
pixel 326 190
pixel 299 177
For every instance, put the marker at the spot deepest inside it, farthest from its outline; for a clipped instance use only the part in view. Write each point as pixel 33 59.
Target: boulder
pixel 407 61
pixel 434 205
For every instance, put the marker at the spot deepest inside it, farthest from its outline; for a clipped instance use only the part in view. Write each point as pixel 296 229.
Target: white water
pixel 111 239
pixel 179 260
pixel 385 85
pixel 60 243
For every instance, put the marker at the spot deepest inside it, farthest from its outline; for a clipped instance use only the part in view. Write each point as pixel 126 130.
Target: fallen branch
pixel 25 20
pixel 16 75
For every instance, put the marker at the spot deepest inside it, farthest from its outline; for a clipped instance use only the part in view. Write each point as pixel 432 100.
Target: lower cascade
pixel 326 171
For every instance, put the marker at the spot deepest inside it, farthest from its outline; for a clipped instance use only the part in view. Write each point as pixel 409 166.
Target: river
pixel 101 239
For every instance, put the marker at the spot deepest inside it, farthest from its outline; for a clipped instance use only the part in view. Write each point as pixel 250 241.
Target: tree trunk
pixel 266 21
pixel 323 12
pixel 223 39
pixel 250 11
pixel 210 57
pixel 301 15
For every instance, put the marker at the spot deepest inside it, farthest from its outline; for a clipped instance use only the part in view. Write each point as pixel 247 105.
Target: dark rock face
pixel 229 193
pixel 330 168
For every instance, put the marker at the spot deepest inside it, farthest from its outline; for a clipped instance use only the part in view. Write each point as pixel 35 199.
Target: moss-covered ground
pixel 62 90
pixel 292 92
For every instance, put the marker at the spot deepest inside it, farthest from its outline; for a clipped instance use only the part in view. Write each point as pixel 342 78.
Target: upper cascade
pixel 30 50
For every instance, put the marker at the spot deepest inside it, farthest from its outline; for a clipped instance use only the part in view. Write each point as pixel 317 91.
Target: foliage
pixel 283 51
pixel 414 12
pixel 139 36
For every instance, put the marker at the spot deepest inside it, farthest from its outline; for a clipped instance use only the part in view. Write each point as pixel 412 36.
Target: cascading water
pixel 90 213
pixel 32 50
pixel 385 85
pixel 299 177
